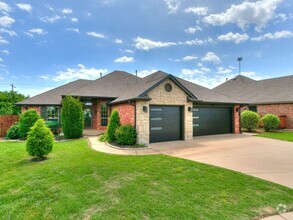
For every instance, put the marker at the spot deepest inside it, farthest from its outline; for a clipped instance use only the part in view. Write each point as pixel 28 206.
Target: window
pixel 168 87
pixel 52 113
pixel 104 114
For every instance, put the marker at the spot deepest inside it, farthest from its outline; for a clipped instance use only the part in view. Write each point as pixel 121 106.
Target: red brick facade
pixel 126 113
pixel 96 115
pixel 279 110
pixel 236 120
pixel 37 108
pixel 5 123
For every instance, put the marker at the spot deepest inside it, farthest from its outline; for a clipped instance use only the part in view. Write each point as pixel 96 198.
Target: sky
pixel 44 44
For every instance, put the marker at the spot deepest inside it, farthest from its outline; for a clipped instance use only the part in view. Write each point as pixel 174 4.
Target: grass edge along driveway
pixel 77 182
pixel 283 136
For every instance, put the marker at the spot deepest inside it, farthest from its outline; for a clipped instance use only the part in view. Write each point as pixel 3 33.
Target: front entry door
pixel 87 116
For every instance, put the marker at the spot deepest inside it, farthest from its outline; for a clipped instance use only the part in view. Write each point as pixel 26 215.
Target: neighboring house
pixel 161 106
pixel 262 96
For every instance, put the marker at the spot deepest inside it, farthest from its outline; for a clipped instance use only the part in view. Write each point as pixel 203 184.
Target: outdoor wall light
pixel 190 109
pixel 145 108
pixel 237 109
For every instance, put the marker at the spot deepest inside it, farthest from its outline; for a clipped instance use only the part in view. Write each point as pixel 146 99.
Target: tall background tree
pixel 8 100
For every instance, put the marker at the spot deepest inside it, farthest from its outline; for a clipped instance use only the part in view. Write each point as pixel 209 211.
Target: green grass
pixel 77 182
pixel 284 136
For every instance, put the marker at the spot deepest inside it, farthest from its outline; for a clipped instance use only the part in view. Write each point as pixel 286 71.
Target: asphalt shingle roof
pixel 275 90
pixel 121 87
pixel 54 96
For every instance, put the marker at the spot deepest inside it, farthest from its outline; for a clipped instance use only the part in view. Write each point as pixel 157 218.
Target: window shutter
pixel 43 112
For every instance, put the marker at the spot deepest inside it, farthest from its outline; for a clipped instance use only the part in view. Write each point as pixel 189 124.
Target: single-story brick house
pixel 273 96
pixel 161 106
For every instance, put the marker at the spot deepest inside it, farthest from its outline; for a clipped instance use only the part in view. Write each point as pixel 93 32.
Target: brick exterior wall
pixel 236 120
pixel 37 108
pixel 279 110
pixel 160 97
pixel 126 113
pixel 5 123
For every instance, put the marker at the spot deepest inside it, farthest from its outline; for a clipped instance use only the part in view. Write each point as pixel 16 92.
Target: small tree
pixel 13 132
pixel 126 135
pixel 249 120
pixel 40 140
pixel 270 122
pixel 26 121
pixel 113 125
pixel 72 117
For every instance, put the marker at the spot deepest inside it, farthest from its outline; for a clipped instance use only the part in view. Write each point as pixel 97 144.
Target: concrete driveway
pixel 264 158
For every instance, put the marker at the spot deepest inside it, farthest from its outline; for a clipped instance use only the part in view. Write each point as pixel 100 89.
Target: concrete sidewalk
pixel 103 147
pixel 282 216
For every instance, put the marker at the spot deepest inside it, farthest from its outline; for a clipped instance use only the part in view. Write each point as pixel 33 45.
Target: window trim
pixel 58 113
pixel 102 117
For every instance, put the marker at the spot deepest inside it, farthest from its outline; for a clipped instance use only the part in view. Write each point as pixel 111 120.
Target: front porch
pixel 92 132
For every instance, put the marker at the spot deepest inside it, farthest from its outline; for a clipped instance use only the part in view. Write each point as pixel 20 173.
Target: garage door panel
pixel 212 120
pixel 165 123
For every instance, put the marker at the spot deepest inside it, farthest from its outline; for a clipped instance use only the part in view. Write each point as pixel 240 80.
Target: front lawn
pixel 284 136
pixel 77 182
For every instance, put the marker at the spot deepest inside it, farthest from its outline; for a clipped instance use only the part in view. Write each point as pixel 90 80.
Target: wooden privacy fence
pixel 5 122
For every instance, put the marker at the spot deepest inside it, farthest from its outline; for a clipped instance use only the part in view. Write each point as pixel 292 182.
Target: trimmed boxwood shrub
pixel 26 121
pixel 13 132
pixel 72 117
pixel 113 125
pixel 40 140
pixel 249 120
pixel 126 135
pixel 270 122
pixel 53 126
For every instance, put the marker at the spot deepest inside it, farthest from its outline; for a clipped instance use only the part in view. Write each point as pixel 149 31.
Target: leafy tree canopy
pixel 8 100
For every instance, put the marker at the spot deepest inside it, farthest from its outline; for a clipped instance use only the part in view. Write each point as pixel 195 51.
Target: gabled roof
pixel 54 96
pixel 140 89
pixel 275 90
pixel 120 86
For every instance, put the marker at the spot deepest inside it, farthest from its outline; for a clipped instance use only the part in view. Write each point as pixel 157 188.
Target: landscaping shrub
pixel 13 132
pixel 270 122
pixel 72 117
pixel 249 120
pixel 26 121
pixel 113 125
pixel 103 137
pixel 53 126
pixel 40 140
pixel 126 135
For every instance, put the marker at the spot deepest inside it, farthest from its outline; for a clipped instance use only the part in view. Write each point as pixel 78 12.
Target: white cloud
pixel 67 11
pixel 144 73
pixel 5 51
pixel 35 31
pixel 118 41
pixel 52 19
pixel 189 58
pixel 3 41
pixel 6 21
pixel 211 57
pixel 25 7
pixel 49 7
pixel 79 72
pixel 11 33
pixel 4 7
pixel 201 11
pixel 274 36
pixel 129 51
pixel 124 59
pixel 146 44
pixel 1 60
pixel 235 37
pixel 191 72
pixel 173 5
pixel 97 35
pixel 192 30
pixel 74 20
pixel 192 42
pixel 258 13
pixel 224 70
pixel 73 29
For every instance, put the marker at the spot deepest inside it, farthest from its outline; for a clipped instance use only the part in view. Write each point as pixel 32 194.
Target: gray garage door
pixel 212 120
pixel 165 123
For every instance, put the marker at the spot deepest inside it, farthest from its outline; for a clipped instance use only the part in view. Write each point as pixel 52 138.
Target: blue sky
pixel 44 44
